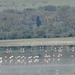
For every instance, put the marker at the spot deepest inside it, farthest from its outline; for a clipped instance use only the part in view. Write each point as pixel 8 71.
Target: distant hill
pixel 22 4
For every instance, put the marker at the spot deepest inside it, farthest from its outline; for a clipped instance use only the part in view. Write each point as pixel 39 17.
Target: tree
pixel 38 22
pixel 50 8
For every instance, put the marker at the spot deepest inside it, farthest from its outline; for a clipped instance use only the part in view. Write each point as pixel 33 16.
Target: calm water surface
pixel 45 60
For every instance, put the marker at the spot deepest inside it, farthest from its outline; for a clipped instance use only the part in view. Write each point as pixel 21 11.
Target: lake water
pixel 45 60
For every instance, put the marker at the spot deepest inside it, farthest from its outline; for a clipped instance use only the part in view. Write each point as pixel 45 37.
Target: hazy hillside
pixel 44 22
pixel 22 4
pixel 52 18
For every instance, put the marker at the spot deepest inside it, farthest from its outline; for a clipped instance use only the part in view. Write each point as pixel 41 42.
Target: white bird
pixel 73 50
pixel 29 57
pixel 11 57
pixel 71 55
pixel 36 60
pixel 36 57
pixel 0 61
pixel 11 61
pixel 5 56
pixel 58 59
pixel 53 55
pixel 18 60
pixel 0 58
pixel 30 61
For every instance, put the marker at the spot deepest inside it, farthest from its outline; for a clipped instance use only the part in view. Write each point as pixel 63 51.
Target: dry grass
pixel 38 42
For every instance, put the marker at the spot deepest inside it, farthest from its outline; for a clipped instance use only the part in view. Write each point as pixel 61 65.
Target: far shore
pixel 38 42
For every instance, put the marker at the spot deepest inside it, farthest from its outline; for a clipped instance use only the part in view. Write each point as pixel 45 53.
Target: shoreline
pixel 38 42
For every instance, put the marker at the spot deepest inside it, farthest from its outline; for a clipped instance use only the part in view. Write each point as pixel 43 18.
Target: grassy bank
pixel 38 42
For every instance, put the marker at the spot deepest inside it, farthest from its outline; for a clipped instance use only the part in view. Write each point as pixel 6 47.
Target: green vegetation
pixel 21 19
pixel 43 22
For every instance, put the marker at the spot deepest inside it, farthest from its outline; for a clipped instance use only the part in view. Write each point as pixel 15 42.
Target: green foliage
pixel 44 22
pixel 50 8
pixel 38 22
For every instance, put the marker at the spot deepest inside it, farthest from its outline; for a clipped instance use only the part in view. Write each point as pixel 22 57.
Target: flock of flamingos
pixel 53 54
pixel 34 59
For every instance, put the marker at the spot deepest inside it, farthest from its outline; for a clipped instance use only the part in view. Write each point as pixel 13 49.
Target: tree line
pixel 44 22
